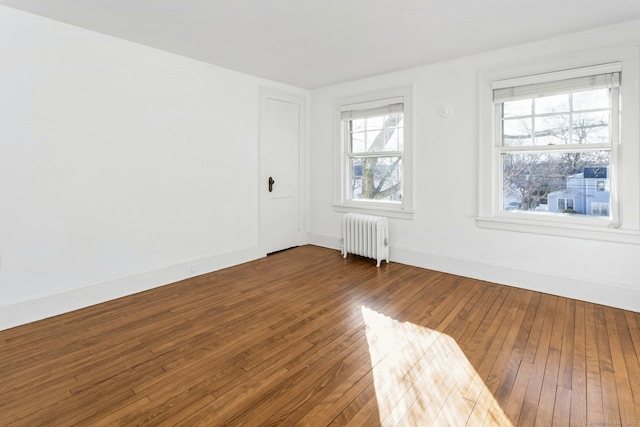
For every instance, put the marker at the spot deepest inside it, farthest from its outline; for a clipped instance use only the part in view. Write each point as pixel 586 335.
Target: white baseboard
pixel 324 241
pixel 611 294
pixel 42 308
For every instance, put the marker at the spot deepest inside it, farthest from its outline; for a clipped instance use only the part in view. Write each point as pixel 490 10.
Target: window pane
pixel 357 142
pixel 556 182
pixel 552 104
pixel 517 132
pixel 552 130
pixel 517 108
pixel 357 125
pixel 391 140
pixel 376 178
pixel 591 99
pixel 591 128
pixel 373 139
pixel 375 122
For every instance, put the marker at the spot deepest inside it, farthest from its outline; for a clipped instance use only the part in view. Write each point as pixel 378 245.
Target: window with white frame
pixel 551 131
pixel 374 139
pixel 553 138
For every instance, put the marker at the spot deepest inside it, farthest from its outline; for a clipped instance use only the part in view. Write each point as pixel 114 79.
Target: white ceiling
pixel 314 43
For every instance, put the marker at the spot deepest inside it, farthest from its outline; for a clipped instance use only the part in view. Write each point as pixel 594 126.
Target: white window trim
pixel 627 199
pixel 342 203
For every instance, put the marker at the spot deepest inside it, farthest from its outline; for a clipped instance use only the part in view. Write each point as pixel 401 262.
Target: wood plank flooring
pixel 304 337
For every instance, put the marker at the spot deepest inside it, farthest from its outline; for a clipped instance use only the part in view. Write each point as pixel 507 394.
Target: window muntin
pixel 550 144
pixel 374 148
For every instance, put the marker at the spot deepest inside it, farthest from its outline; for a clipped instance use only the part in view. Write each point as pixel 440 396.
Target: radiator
pixel 365 235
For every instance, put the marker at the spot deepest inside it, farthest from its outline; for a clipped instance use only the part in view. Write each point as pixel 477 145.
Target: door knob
pixel 271 182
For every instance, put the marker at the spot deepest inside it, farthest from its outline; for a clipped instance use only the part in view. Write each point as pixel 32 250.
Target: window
pixel 374 140
pixel 599 208
pixel 551 144
pixel 374 146
pixel 565 204
pixel 553 139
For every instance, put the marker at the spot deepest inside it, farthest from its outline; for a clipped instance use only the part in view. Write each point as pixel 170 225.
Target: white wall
pixel 444 235
pixel 121 167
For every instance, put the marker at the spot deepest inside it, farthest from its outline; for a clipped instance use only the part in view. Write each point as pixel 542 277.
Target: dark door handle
pixel 271 182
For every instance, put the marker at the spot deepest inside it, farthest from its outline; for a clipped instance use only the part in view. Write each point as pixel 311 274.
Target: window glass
pixel 586 100
pixel 376 178
pixel 375 156
pixel 517 132
pixel 544 181
pixel 591 127
pixel 517 108
pixel 552 104
pixel 552 129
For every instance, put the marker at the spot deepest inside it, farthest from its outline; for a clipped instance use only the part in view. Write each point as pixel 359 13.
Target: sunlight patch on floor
pixel 422 377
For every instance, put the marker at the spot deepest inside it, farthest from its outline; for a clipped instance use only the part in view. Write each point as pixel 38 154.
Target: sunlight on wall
pixel 422 377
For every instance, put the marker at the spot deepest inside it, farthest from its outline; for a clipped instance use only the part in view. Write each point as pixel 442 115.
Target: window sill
pixel 580 231
pixel 374 210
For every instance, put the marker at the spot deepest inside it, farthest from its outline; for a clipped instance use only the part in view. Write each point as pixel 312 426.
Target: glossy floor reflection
pixel 422 377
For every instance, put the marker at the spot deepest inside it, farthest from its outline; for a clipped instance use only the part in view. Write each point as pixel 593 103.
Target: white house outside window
pixel 374 145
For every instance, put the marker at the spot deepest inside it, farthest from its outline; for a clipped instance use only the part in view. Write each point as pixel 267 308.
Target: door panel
pixel 280 162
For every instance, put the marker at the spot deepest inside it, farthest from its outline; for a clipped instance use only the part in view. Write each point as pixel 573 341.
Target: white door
pixel 280 136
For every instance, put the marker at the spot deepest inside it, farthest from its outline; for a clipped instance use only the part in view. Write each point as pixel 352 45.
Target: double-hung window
pixel 559 147
pixel 555 143
pixel 374 142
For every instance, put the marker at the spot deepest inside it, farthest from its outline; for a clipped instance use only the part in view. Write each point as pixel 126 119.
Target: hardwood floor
pixel 304 337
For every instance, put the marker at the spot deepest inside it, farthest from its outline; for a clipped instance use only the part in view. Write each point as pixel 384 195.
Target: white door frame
pixel 303 197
